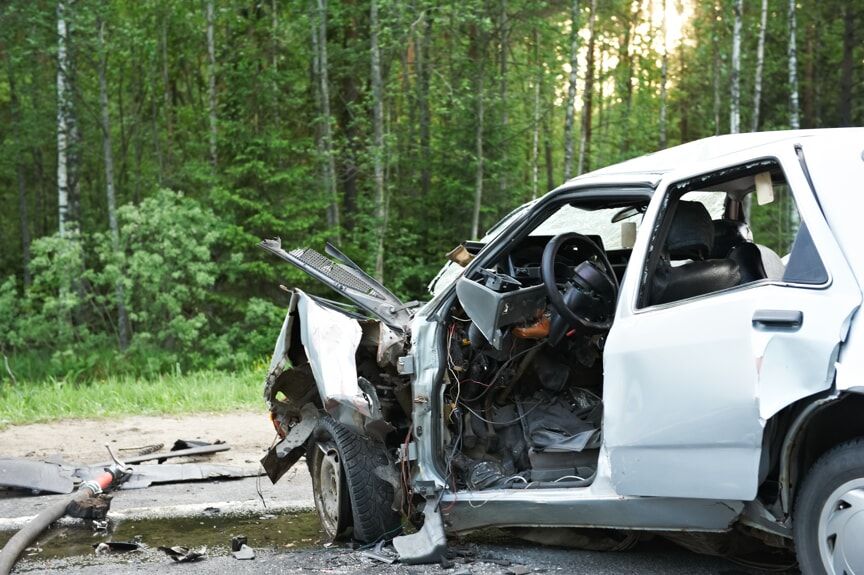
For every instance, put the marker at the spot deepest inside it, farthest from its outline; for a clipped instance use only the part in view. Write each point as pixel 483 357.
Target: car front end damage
pixel 329 361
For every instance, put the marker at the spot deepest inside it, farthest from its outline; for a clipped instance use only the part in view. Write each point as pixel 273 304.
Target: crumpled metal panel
pixel 331 340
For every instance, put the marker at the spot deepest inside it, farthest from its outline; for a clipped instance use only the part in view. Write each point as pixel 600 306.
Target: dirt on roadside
pixel 83 441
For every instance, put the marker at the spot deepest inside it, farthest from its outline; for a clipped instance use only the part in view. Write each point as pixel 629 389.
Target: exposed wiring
pixel 501 370
pixel 569 477
pixel 521 417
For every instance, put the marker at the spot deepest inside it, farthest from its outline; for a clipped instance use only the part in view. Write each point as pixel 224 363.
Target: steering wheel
pixel 589 295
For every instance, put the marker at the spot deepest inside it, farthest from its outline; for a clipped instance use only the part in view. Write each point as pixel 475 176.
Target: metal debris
pixel 379 554
pixel 116 546
pixel 184 554
pixel 245 552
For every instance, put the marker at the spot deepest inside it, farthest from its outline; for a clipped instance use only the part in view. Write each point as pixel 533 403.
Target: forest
pixel 147 146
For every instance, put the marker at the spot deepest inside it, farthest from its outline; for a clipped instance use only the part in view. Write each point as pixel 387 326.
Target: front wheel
pixel 829 513
pixel 348 491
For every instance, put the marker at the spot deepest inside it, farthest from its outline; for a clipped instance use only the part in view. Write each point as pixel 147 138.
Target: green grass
pixel 202 391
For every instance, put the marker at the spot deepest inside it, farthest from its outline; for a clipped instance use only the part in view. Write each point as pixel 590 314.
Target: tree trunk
pixel 535 124
pixel 547 154
pixel 67 133
pixel 735 94
pixel 808 104
pixel 479 56
pixel 15 110
pixel 503 94
pixel 422 53
pixel 108 156
pixel 319 40
pixel 588 97
pixel 211 83
pixel 715 48
pixel 794 121
pixel 570 108
pixel 848 65
pixel 664 70
pixel 166 92
pixel 760 62
pixel 626 80
pixel 378 143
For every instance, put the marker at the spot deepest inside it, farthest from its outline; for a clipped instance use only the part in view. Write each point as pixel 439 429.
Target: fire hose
pixel 114 474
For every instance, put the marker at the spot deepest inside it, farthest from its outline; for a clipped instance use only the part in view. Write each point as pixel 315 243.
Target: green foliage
pixel 63 325
pixel 198 291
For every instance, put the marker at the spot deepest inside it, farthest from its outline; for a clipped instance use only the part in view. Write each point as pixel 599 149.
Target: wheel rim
pixel 841 530
pixel 328 494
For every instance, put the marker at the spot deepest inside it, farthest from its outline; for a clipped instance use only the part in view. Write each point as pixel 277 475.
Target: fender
pixel 792 450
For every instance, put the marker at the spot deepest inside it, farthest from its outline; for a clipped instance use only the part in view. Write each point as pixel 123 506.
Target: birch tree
pixel 211 83
pixel 760 63
pixel 715 50
pixel 570 106
pixel 378 140
pixel 110 195
pixel 735 95
pixel 535 120
pixel 664 70
pixel 588 95
pixel 321 72
pixel 794 119
pixel 67 132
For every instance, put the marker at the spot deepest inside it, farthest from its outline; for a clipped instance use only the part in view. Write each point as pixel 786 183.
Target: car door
pixel 689 385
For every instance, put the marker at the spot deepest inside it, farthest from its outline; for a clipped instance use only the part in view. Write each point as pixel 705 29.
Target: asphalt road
pixel 484 559
pixel 282 528
pixel 216 510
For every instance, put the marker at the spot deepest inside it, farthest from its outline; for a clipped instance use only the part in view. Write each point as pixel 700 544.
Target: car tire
pixel 829 513
pixel 347 490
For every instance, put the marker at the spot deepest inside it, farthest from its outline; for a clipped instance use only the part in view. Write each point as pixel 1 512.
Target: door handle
pixel 780 319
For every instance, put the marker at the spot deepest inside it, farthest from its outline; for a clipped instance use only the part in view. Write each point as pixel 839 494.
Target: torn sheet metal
pixel 427 545
pixel 331 340
pixel 282 456
pixel 37 476
pixel 184 554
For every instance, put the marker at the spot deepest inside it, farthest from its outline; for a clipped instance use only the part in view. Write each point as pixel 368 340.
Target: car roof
pixel 651 167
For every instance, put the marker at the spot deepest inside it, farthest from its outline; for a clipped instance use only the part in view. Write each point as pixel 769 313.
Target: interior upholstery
pixel 749 260
pixel 691 236
pixel 727 235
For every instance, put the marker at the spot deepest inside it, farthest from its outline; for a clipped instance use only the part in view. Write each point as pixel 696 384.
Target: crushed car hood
pixel 347 278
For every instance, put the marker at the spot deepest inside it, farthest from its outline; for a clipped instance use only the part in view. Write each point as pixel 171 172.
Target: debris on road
pixel 245 552
pixel 380 554
pixel 94 507
pixel 58 476
pixel 144 449
pixel 184 554
pixel 37 476
pixel 116 546
pixel 238 541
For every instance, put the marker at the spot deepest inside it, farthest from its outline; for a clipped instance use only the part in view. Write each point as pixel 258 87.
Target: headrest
pixel 727 235
pixel 692 233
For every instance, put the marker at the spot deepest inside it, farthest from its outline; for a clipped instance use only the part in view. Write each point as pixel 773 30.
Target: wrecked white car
pixel 623 353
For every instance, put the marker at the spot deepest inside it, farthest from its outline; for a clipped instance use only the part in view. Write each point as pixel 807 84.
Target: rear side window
pixel 805 266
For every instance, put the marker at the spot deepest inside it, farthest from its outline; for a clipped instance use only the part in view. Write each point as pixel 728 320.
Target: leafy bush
pixel 65 324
